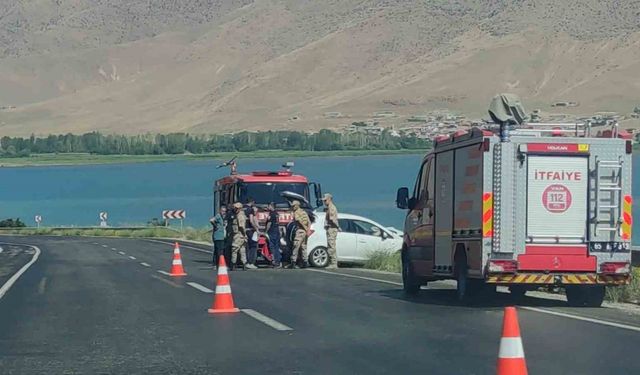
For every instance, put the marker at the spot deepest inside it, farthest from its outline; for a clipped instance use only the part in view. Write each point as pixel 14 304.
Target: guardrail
pixel 92 227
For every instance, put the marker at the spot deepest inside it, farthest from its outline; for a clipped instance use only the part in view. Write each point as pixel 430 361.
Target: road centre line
pixel 169 282
pixel 132 258
pixel 582 318
pixel 105 246
pixel 182 246
pixel 201 288
pixel 266 320
pixel 5 288
pixel 114 249
pixel 164 272
pixel 122 253
pixel 145 264
pixel 42 285
pixel 358 277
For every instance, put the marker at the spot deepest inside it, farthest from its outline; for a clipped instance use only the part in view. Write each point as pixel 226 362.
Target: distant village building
pixel 565 104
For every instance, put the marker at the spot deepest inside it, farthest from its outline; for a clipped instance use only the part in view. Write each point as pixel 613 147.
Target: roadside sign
pixel 103 219
pixel 38 220
pixel 174 214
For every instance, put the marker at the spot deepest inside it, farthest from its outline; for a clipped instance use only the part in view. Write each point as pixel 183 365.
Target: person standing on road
pixel 253 229
pixel 239 239
pixel 332 227
pixel 218 235
pixel 273 231
pixel 302 221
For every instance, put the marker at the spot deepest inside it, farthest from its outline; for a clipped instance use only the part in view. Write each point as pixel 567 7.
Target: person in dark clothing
pixel 252 227
pixel 273 231
pixel 228 221
pixel 218 235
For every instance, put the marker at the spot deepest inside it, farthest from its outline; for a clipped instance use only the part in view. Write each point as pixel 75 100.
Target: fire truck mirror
pixel 402 199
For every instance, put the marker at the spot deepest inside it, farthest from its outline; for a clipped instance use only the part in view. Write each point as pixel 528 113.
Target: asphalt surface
pixel 85 308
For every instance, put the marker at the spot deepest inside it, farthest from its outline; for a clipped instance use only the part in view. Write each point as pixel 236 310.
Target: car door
pixel 346 241
pixel 369 238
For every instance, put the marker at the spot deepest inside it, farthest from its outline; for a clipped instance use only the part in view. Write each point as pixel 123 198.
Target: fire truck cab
pixel 279 187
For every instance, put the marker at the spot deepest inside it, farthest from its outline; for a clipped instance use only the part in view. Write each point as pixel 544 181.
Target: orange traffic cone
pixel 176 265
pixel 223 300
pixel 511 355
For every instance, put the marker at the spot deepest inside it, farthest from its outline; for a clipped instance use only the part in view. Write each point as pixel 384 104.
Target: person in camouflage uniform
pixel 332 227
pixel 303 223
pixel 239 237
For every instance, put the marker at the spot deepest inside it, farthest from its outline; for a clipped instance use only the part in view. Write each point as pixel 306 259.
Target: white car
pixel 358 239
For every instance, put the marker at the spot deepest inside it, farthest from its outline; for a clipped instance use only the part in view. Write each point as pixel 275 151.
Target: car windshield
pixel 265 192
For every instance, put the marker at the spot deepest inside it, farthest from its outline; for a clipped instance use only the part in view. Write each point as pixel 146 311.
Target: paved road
pixel 89 306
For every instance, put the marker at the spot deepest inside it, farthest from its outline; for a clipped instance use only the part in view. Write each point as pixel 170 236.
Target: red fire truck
pixel 279 187
pixel 549 205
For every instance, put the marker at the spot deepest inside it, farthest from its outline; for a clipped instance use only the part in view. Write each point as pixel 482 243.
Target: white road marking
pixel 5 288
pixel 182 246
pixel 358 277
pixel 114 249
pixel 122 253
pixel 105 246
pixel 168 282
pixel 1 249
pixel 582 318
pixel 164 272
pixel 266 320
pixel 132 258
pixel 42 285
pixel 95 243
pixel 145 264
pixel 200 287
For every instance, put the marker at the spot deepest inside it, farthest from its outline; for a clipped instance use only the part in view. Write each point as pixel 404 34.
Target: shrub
pixel 384 261
pixel 626 293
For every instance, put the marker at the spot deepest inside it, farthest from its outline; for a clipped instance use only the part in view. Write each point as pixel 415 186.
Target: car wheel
pixel 410 283
pixel 319 257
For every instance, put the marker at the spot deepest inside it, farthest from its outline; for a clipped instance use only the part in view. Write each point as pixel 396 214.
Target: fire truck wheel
pixel 410 283
pixel 319 257
pixel 467 289
pixel 463 289
pixel 517 291
pixel 576 295
pixel 595 296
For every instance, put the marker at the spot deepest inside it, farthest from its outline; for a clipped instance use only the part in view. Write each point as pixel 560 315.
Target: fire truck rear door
pixel 557 199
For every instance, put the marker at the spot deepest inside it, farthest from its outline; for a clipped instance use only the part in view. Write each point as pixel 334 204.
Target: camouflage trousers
pixel 238 244
pixel 299 246
pixel 332 234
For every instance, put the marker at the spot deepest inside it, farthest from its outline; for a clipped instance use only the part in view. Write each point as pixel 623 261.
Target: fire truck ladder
pixel 608 195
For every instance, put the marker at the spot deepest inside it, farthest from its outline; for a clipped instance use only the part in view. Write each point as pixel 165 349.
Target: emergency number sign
pixel 557 196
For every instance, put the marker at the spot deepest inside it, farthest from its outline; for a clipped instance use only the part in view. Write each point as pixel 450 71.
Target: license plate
pixel 610 246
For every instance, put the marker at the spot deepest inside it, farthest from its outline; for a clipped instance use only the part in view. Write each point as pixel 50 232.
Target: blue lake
pixel 134 193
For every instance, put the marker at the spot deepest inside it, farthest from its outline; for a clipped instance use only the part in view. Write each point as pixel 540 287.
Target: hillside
pixel 221 65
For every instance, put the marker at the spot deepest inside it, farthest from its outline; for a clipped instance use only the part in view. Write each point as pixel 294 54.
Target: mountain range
pixel 207 66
